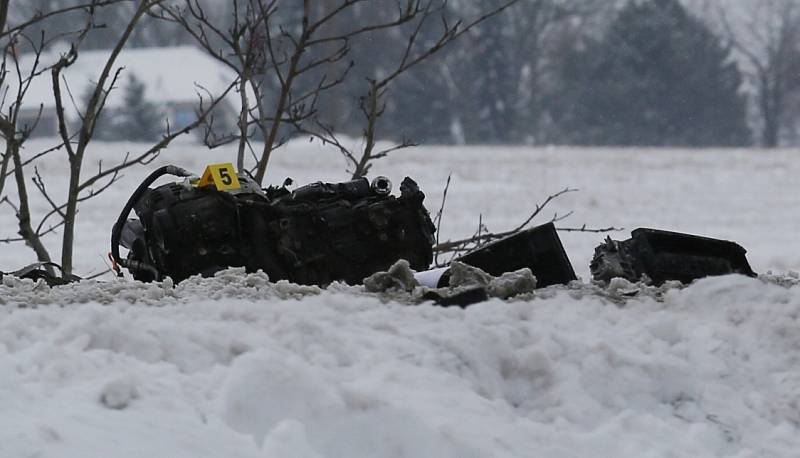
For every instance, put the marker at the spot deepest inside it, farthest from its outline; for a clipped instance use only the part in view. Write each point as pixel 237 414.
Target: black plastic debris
pixel 39 271
pixel 463 298
pixel 538 249
pixel 662 256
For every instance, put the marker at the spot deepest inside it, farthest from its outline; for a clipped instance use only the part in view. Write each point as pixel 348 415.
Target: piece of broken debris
pixel 467 284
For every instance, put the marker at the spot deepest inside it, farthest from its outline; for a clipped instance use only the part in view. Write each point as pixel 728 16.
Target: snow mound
pixel 232 283
pixel 237 366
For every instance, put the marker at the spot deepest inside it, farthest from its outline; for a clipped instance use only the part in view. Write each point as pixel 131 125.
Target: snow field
pixel 235 366
pixel 748 196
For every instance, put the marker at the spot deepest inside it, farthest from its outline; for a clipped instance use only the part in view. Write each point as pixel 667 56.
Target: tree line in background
pixel 640 72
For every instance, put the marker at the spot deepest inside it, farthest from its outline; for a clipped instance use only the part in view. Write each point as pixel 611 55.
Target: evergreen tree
pixel 493 73
pixel 658 77
pixel 137 119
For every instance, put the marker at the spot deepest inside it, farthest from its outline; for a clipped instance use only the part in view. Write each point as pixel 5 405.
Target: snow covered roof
pixel 171 75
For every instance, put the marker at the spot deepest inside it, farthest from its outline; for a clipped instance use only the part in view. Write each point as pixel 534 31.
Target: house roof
pixel 171 75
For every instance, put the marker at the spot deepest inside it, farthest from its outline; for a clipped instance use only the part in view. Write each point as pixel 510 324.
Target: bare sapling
pixel 74 136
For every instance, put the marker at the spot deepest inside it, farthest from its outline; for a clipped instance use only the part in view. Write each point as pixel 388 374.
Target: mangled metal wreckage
pixel 356 231
pixel 325 232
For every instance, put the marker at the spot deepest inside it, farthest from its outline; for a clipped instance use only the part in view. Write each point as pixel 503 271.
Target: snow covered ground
pixel 236 366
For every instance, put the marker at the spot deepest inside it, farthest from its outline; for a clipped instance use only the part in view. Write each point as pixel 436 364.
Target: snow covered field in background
pixel 236 366
pixel 750 197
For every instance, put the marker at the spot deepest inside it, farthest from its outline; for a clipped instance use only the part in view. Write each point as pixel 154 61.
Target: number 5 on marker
pixel 222 176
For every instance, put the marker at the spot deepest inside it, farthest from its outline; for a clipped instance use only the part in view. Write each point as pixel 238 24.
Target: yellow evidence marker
pixel 222 176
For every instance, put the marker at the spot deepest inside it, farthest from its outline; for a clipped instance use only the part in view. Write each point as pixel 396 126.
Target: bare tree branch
pixel 769 43
pixel 155 150
pixel 438 219
pixel 481 238
pixel 584 228
pixel 40 185
pixel 372 105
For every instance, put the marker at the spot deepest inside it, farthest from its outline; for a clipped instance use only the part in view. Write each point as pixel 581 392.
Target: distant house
pixel 173 77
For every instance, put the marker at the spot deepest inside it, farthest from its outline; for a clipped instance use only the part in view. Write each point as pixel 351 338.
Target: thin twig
pixel 481 238
pixel 439 214
pixel 583 228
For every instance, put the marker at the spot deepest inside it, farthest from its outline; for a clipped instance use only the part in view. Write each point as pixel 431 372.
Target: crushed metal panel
pixel 663 256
